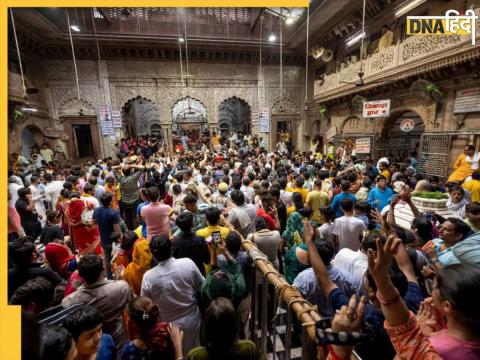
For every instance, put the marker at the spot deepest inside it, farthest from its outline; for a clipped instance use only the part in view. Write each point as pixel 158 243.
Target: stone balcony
pixel 413 56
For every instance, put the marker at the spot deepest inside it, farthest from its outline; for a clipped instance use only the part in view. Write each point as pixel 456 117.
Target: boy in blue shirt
pixel 381 195
pixel 345 194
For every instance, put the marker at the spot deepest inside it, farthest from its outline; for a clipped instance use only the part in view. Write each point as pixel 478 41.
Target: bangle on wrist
pixel 391 301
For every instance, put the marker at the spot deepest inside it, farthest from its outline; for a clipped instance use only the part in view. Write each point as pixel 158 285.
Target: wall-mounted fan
pixel 427 90
pixel 323 111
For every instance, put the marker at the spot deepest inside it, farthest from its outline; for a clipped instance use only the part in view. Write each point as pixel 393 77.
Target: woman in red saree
pixel 86 237
pixel 62 203
pixel 61 259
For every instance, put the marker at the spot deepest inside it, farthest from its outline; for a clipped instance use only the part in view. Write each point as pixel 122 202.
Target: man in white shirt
pixel 88 195
pixel 348 230
pixel 14 183
pixel 173 285
pixel 285 196
pixel 52 189
pixel 247 190
pixel 307 282
pixel 356 262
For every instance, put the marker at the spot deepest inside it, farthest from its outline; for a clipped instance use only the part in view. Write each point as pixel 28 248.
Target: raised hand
pixel 350 318
pixel 308 231
pixel 379 261
pixel 428 318
pixel 405 196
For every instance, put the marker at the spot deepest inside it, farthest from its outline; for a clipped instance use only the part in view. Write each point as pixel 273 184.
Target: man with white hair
pixel 14 183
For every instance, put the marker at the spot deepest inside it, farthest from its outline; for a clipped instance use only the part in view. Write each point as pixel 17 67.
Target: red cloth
pixel 218 158
pixel 61 206
pixel 86 237
pixel 73 283
pixel 270 221
pixel 58 256
pixel 168 200
pixel 15 217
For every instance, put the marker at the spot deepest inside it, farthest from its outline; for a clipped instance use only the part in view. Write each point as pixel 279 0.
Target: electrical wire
pixel 99 58
pixel 281 56
pixel 180 49
pixel 18 54
pixel 73 54
pixel 306 54
pixel 363 36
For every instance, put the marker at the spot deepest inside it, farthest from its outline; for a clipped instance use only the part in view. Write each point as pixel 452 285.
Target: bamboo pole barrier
pixel 304 311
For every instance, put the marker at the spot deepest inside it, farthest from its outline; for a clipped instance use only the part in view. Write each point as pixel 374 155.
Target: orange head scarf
pixel 141 261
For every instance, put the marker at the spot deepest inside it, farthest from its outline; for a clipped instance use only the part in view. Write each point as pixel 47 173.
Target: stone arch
pixel 189 114
pixel 285 106
pixel 351 124
pixel 389 122
pixel 76 107
pixel 30 135
pixel 314 128
pixel 235 113
pixel 140 114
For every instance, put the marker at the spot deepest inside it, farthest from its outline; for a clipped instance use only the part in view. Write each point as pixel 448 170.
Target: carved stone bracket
pixel 285 106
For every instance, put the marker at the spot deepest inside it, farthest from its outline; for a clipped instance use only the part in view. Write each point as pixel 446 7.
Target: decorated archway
pixel 234 114
pixel 189 119
pixel 140 115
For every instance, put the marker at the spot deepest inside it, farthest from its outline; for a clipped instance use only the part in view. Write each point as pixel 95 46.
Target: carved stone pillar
pixel 167 136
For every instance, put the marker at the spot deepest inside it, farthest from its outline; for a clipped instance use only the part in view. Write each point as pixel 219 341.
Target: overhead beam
pixel 105 16
pixel 256 13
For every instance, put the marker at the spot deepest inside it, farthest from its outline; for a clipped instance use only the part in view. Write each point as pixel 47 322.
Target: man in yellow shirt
pixel 298 187
pixel 473 186
pixel 47 153
pixel 317 199
pixel 213 232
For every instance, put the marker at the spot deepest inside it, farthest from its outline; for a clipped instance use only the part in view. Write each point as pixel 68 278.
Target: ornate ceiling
pixel 211 34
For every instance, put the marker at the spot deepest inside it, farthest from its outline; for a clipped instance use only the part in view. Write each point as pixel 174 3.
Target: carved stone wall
pixel 161 83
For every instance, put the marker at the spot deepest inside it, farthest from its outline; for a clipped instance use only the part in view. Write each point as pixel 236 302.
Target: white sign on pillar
pixel 264 120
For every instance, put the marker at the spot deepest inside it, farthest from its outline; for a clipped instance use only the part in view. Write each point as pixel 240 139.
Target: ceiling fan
pixel 360 81
pixel 361 74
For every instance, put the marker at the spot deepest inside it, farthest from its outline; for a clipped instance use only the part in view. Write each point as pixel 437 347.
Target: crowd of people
pixel 140 256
